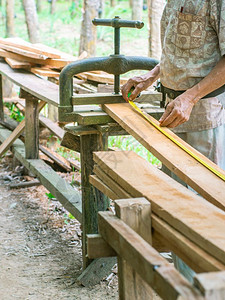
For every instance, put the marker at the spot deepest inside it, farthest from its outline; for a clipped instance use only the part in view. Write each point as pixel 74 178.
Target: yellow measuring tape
pixel 199 159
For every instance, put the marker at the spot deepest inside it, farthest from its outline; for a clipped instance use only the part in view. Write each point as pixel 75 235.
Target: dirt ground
pixel 40 248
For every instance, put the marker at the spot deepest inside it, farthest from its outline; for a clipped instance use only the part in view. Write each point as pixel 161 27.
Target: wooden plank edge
pixel 145 260
pixel 192 254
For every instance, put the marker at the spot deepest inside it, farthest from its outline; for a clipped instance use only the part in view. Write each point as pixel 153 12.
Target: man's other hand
pixel 177 111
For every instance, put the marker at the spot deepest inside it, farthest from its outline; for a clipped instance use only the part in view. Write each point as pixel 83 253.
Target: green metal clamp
pixel 115 64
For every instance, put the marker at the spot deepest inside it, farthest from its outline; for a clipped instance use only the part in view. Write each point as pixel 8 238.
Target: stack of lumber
pixel 45 61
pixel 183 221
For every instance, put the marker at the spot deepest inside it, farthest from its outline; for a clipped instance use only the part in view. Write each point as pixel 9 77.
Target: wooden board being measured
pixel 207 184
pixel 190 214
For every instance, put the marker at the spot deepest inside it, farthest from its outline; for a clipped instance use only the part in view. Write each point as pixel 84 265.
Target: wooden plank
pixel 49 50
pixel 92 118
pixel 97 247
pixel 100 268
pixel 71 141
pixel 207 184
pixel 198 259
pixel 166 238
pixel 52 126
pixel 46 72
pixel 194 217
pixel 58 159
pixel 102 187
pixel 56 63
pixel 212 285
pixel 48 92
pixel 103 77
pixel 118 190
pixel 144 259
pixel 21 44
pixel 16 64
pixel 80 130
pixel 135 213
pixel 25 184
pixel 97 99
pixel 23 52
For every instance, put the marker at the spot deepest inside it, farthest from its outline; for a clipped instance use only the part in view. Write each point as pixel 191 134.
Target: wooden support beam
pixel 31 127
pixel 80 130
pixel 1 100
pixel 145 260
pixel 10 140
pixel 92 199
pixel 212 285
pixel 71 141
pixel 98 269
pixel 192 172
pixel 52 126
pixel 18 131
pixel 193 216
pixel 58 159
pixel 97 247
pixel 136 213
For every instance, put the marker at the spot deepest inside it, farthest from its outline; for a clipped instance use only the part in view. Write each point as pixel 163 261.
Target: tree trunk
pixel 10 18
pixel 113 3
pixel 155 10
pixel 88 34
pixel 130 3
pixel 38 5
pixel 101 8
pixel 137 8
pixel 53 6
pixel 31 20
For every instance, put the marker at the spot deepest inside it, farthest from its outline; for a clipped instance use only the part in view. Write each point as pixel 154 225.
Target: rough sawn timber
pixel 193 173
pixel 165 237
pixel 42 89
pixel 197 219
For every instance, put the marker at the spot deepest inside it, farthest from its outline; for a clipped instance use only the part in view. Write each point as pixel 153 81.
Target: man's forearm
pixel 214 80
pixel 152 75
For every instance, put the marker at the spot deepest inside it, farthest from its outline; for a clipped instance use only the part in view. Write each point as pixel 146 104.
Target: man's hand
pixel 177 112
pixel 140 83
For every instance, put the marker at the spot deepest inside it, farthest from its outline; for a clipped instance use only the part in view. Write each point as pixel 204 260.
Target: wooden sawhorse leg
pixel 1 100
pixel 92 199
pixel 33 107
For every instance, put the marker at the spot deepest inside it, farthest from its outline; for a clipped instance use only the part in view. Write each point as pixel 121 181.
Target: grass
pixel 62 31
pixel 128 143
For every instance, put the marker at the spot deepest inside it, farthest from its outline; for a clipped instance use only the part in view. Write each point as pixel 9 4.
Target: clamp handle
pixel 118 23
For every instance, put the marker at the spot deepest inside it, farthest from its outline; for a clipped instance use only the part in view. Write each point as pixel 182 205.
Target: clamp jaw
pixel 115 64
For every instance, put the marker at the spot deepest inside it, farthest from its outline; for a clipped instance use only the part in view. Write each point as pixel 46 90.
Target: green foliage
pixel 129 143
pixel 50 196
pixel 14 112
